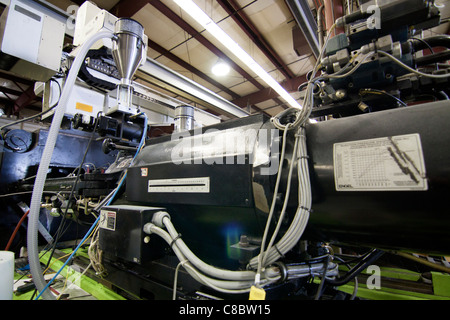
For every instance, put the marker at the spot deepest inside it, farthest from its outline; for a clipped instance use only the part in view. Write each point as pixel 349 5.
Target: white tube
pixel 231 286
pixel 6 275
pixel 300 220
pixel 286 243
pixel 33 217
pixel 204 267
pixel 302 215
pixel 286 200
pixel 272 207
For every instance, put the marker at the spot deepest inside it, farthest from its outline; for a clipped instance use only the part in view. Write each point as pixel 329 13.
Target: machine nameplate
pixel 381 164
pixel 180 185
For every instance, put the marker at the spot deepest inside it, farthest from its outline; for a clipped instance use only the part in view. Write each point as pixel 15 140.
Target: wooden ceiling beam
pixel 14 78
pixel 190 68
pixel 265 94
pixel 243 21
pixel 25 99
pixel 127 8
pixel 200 38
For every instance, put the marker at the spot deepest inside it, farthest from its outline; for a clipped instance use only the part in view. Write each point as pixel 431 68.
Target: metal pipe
pixel 307 23
pixel 363 264
pixel 333 11
pixel 184 118
pixel 154 70
pixel 320 26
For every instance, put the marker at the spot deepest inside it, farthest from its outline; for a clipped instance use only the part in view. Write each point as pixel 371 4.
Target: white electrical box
pixel 90 20
pixel 33 36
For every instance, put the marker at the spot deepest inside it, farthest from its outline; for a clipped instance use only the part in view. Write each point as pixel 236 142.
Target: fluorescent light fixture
pixel 206 22
pixel 220 68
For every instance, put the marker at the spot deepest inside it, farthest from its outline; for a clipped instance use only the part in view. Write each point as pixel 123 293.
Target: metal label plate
pixel 181 185
pixel 381 164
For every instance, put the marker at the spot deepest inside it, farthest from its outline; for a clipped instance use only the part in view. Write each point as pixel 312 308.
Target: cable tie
pixel 176 238
pixel 300 135
pixel 182 263
pixel 375 46
pixel 257 279
pixel 307 209
pixel 279 252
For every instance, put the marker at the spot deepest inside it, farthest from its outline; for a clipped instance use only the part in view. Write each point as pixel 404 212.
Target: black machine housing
pixel 217 182
pixel 224 226
pixel 237 202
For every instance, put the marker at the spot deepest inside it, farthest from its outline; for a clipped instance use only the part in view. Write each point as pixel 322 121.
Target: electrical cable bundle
pixel 300 155
pixel 236 282
pixel 260 272
pixel 301 217
pixel 222 280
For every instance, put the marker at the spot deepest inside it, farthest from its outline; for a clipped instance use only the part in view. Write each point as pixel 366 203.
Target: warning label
pixel 381 164
pixel 107 220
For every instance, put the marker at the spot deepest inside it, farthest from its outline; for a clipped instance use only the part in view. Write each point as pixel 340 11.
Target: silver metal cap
pixel 128 47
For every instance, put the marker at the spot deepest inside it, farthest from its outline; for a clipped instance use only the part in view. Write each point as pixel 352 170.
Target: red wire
pixel 316 5
pixel 16 230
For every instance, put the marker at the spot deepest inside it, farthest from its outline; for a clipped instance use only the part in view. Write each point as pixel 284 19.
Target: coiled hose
pixel 35 205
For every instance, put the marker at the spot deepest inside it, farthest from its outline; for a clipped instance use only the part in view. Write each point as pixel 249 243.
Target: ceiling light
pixel 206 22
pixel 220 68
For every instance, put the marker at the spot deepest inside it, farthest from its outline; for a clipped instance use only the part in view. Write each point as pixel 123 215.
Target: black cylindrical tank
pixel 395 211
pixel 213 202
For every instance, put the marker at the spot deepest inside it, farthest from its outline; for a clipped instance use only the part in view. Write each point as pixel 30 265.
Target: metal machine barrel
pixel 215 203
pixel 400 219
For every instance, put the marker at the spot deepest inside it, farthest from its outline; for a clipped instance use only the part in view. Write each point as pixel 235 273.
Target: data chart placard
pixel 382 164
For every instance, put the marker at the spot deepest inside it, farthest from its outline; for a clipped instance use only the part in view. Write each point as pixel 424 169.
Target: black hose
pixel 433 58
pixel 366 261
pixel 416 45
pixel 320 289
pixel 433 42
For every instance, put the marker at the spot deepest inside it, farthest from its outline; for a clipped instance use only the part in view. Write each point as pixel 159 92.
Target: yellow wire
pixel 94 230
pixel 64 287
pixel 66 255
pixel 62 257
